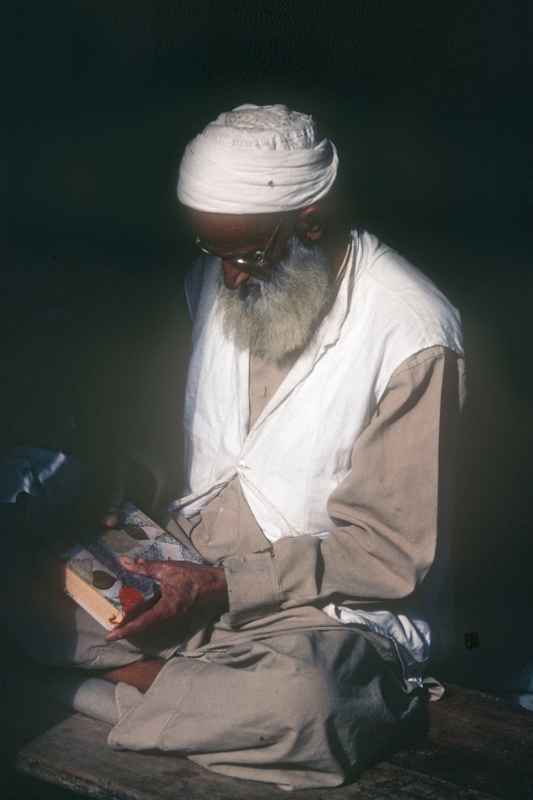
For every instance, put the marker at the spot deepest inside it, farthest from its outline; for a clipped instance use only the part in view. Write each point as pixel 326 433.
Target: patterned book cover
pixel 95 579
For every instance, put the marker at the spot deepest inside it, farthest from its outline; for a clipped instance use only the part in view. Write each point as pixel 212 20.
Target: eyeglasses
pixel 252 263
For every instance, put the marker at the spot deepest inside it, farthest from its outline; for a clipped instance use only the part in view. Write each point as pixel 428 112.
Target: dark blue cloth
pixel 50 475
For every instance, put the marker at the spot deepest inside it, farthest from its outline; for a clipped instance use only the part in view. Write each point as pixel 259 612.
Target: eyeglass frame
pixel 256 261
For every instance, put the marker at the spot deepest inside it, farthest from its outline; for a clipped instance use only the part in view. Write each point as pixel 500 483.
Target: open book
pixel 96 580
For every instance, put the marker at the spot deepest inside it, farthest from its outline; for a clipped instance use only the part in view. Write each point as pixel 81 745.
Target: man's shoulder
pixel 384 271
pixel 401 296
pixel 382 264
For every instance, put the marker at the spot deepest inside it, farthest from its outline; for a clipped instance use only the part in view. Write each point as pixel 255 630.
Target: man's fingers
pixel 159 570
pixel 137 625
pixel 111 520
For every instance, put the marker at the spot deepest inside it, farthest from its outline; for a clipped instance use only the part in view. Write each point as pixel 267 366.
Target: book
pixel 95 579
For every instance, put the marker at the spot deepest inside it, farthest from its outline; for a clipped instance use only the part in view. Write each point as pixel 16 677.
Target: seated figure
pixel 322 402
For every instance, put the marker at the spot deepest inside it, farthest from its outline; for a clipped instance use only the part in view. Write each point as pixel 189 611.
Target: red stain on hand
pixel 131 600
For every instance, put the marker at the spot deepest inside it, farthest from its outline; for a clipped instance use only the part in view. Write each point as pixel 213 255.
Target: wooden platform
pixel 479 748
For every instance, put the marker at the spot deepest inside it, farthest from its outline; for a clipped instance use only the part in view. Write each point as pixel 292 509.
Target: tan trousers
pixel 293 698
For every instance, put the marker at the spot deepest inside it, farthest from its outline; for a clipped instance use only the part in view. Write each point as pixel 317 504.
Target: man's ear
pixel 310 224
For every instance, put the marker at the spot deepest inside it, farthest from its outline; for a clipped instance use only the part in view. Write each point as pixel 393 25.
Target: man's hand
pixel 185 588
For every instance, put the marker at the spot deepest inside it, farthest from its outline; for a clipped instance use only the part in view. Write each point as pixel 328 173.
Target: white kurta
pixel 298 451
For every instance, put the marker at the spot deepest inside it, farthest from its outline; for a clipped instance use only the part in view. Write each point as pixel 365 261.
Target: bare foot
pixel 140 674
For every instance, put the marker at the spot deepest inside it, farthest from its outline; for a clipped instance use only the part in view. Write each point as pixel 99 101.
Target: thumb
pixel 112 519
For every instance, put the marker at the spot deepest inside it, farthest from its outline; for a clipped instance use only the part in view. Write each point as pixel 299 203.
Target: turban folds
pixel 257 159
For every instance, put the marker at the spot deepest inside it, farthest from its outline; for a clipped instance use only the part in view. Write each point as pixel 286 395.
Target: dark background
pixel 429 105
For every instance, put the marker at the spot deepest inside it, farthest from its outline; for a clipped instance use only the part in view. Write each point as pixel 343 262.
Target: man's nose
pixel 233 277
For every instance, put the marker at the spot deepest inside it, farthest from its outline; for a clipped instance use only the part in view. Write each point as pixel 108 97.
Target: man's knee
pixel 347 701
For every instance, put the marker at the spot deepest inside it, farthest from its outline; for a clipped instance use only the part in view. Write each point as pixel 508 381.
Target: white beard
pixel 277 318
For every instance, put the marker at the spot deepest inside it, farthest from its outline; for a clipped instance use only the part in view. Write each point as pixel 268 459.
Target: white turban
pixel 257 159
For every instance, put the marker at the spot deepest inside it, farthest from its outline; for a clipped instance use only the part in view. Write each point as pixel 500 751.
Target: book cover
pixel 96 580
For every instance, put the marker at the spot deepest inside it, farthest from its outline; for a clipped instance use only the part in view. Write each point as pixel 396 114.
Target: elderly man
pixel 322 402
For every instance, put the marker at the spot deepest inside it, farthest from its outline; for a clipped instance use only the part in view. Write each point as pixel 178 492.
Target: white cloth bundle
pixel 257 159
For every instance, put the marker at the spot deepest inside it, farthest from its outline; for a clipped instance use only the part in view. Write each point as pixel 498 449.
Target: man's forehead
pixel 214 227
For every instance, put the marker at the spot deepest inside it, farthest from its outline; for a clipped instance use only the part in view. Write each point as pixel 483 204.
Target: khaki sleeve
pixel 385 516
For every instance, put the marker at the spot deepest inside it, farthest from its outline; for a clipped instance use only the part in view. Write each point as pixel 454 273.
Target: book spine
pixel 91 601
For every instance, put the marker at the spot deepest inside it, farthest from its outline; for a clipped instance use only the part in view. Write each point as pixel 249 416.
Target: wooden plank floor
pixel 478 749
